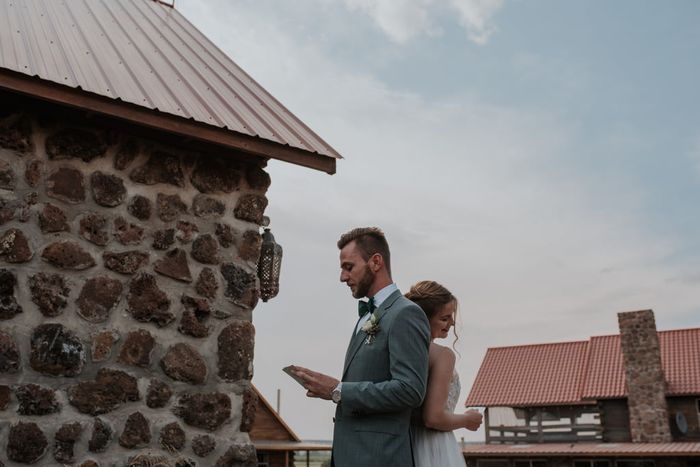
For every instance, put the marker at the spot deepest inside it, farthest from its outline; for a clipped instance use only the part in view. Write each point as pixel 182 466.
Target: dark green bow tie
pixel 365 307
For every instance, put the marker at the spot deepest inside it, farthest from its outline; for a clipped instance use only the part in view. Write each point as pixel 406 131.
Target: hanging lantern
pixel 269 266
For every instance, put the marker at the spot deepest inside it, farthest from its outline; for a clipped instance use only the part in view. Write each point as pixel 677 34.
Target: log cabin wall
pixel 614 416
pixel 689 407
pixel 127 284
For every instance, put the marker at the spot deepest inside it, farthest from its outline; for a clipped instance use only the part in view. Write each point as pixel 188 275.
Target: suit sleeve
pixel 408 342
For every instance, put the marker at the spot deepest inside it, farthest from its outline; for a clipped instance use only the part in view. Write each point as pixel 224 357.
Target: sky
pixel 540 159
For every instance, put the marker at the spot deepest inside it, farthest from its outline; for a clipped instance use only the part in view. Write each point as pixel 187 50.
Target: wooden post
pixel 488 432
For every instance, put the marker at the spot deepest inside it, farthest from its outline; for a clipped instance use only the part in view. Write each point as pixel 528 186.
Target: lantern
pixel 269 266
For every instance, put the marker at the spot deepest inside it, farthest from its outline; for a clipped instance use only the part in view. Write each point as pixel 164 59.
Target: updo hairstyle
pixel 431 297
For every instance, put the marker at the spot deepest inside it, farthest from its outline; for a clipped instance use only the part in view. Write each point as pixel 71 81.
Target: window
pixel 592 463
pixel 492 463
pixel 634 463
pixel 530 463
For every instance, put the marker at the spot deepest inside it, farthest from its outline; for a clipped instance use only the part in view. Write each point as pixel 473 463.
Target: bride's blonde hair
pixel 431 297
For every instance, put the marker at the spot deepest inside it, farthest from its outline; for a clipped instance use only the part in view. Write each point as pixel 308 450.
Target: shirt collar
pixel 383 294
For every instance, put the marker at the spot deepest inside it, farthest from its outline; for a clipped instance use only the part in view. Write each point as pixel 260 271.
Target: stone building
pixel 627 400
pixel 132 194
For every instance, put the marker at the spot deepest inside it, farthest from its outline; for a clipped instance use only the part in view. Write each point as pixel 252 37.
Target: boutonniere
pixel 371 328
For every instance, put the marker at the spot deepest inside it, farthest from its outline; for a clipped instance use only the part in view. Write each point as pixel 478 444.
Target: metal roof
pixel 680 359
pixel 530 375
pixel 584 450
pixel 578 372
pixel 605 374
pixel 144 53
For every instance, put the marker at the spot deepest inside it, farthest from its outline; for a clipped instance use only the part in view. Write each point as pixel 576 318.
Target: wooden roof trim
pixel 583 449
pixel 275 414
pixel 76 97
pixel 290 446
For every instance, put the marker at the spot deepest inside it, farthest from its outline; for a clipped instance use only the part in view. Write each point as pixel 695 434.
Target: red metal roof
pixel 577 372
pixel 605 375
pixel 530 375
pixel 144 53
pixel 680 358
pixel 583 449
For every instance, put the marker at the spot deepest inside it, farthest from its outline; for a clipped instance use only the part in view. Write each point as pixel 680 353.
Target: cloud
pixel 403 20
pixel 475 16
pixel 480 196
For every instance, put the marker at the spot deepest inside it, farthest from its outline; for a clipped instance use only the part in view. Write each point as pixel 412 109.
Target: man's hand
pixel 316 384
pixel 472 419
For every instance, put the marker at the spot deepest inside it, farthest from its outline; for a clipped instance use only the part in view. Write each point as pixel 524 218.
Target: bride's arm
pixel 442 365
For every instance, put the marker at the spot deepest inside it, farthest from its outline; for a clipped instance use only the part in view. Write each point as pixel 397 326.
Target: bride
pixel 434 444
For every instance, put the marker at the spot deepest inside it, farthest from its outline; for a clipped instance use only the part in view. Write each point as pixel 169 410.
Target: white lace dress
pixel 432 448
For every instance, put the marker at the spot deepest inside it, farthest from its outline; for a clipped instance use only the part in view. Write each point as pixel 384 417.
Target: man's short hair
pixel 369 240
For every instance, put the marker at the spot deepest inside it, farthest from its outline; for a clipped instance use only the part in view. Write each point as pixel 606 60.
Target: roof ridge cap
pixel 542 344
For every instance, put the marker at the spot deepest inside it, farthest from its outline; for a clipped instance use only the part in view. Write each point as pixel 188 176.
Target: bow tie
pixel 365 307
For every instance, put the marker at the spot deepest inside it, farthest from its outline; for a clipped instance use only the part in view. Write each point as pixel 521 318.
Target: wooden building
pixel 275 442
pixel 627 400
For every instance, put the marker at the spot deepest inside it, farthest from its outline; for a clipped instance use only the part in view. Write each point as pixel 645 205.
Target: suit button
pixel 333 419
pixel 355 412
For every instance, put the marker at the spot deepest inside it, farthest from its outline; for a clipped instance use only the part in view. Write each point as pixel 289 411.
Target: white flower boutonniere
pixel 371 327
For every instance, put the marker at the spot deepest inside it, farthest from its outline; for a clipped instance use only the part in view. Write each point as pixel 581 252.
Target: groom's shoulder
pixel 407 308
pixel 403 302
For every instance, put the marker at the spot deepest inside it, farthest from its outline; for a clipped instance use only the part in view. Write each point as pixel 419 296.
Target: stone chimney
pixel 649 422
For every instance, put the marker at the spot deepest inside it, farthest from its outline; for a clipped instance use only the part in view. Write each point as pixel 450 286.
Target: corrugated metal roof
pixel 680 358
pixel 605 375
pixel 144 53
pixel 530 375
pixel 583 449
pixel 580 371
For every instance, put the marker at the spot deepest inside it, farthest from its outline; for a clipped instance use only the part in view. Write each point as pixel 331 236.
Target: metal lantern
pixel 269 266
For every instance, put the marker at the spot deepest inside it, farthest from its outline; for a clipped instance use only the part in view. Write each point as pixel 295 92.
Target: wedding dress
pixel 432 448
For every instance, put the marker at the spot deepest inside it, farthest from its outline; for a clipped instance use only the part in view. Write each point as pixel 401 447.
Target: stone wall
pixel 648 411
pixel 127 282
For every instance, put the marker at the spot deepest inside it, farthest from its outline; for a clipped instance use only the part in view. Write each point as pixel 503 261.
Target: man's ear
pixel 376 262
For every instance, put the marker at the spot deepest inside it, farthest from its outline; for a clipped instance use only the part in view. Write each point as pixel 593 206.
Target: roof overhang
pixel 80 99
pixel 532 404
pixel 290 446
pixel 583 449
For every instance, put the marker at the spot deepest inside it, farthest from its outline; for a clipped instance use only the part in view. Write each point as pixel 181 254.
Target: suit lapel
pixel 355 344
pixel 357 339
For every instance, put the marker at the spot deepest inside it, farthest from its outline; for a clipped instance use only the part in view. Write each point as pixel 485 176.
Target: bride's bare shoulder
pixel 441 353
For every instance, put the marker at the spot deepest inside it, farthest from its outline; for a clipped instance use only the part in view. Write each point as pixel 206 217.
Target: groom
pixel 386 364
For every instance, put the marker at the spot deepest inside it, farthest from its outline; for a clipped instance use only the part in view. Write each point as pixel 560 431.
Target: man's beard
pixel 365 283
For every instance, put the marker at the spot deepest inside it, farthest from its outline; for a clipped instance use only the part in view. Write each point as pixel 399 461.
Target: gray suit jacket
pixel 382 382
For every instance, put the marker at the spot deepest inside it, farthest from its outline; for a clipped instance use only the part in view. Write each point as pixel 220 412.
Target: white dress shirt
pixel 379 297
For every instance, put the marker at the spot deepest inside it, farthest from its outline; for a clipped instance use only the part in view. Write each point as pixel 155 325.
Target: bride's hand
pixel 472 420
